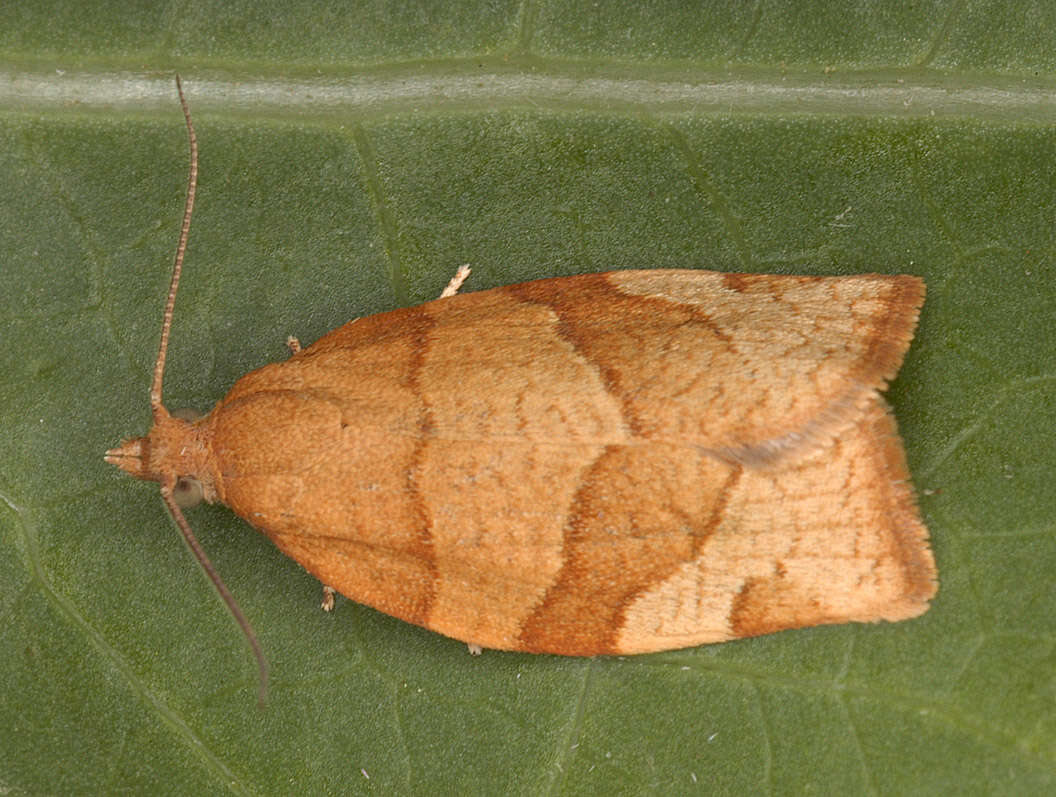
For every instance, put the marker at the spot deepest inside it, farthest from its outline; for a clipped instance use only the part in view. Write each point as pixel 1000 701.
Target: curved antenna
pixel 181 247
pixel 169 480
pixel 221 588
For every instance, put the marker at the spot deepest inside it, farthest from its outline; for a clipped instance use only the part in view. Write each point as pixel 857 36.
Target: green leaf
pixel 350 160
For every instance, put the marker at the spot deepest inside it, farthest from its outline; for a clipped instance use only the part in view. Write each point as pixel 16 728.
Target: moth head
pixel 174 453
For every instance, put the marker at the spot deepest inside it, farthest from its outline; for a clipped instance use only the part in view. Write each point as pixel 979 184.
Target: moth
pixel 609 463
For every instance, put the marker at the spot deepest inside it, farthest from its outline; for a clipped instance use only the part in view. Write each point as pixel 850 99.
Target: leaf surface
pixel 350 161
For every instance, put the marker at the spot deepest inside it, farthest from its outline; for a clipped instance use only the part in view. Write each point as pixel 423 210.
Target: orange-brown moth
pixel 610 463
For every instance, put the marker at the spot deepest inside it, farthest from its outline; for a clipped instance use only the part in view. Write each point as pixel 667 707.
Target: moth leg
pixel 474 648
pixel 456 282
pixel 461 275
pixel 328 598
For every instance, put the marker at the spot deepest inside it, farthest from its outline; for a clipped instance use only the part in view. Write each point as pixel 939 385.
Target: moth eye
pixel 188 492
pixel 186 414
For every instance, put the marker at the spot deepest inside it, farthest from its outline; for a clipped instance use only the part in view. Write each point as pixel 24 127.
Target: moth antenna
pixel 158 410
pixel 221 588
pixel 181 247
